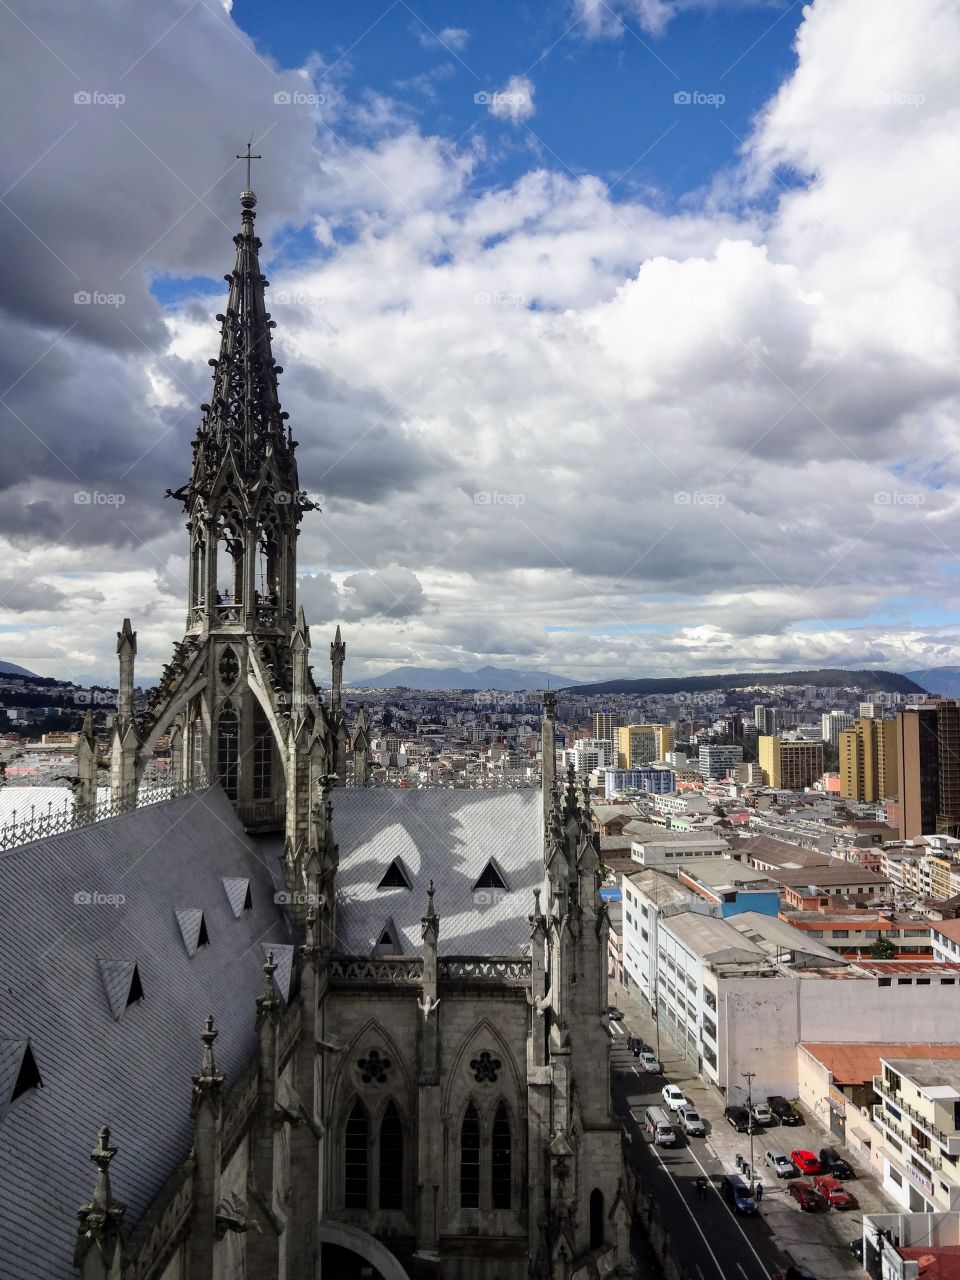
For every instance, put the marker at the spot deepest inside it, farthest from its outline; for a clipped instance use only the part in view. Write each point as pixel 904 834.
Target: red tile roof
pixel 859 1063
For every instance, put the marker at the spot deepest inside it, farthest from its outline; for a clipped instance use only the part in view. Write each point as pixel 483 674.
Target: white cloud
pixel 549 427
pixel 514 102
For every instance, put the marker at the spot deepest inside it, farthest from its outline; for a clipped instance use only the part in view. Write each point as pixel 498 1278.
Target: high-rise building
pixel 928 744
pixel 719 760
pixel 605 726
pixel 767 719
pixel 643 743
pixel 868 760
pixel 833 723
pixel 789 765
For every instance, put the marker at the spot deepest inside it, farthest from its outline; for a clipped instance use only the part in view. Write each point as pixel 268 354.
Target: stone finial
pixel 310 929
pixel 269 969
pixel 99 1221
pixel 208 1081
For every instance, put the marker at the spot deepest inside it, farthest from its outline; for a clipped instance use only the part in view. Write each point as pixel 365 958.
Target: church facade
pixel 406 1071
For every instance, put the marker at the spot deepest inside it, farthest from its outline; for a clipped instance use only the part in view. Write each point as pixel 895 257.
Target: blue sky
pixel 601 104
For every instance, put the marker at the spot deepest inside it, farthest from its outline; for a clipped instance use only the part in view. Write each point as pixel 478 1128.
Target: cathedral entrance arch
pixel 340 1236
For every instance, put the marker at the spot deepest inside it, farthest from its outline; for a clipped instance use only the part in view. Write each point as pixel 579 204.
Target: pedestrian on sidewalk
pixel 758 1191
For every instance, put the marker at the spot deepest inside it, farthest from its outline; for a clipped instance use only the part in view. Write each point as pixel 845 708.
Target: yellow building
pixel 789 765
pixel 639 744
pixel 868 760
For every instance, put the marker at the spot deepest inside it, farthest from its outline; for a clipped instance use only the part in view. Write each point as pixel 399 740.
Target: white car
pixel 690 1121
pixel 649 1061
pixel 673 1097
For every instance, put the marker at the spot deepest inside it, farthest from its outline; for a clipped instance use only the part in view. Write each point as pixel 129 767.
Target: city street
pixel 706 1238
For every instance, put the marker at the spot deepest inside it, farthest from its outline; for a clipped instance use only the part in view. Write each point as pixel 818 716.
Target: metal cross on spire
pixel 248 157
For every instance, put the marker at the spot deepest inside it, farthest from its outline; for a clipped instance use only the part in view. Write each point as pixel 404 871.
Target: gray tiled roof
pixel 446 836
pixel 133 1074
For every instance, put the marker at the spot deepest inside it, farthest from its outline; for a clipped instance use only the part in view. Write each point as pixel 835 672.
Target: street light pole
pixel 749 1077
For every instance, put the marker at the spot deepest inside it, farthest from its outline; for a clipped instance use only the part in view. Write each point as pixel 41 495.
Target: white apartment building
pixel 588 755
pixel 719 760
pixel 655 846
pixel 833 723
pixel 918 1116
pixel 675 803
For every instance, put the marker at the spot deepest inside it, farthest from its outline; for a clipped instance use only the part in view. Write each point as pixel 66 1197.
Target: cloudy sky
pixel 619 337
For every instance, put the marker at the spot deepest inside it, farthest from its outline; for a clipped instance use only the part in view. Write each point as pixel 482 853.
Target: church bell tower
pixel 238 700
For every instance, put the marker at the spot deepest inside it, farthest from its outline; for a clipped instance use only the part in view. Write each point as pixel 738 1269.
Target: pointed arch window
pixel 262 755
pixel 229 565
pixel 356 1158
pixel 267 571
pixel 199 571
pixel 501 1160
pixel 470 1159
pixel 198 772
pixel 391 1159
pixel 228 752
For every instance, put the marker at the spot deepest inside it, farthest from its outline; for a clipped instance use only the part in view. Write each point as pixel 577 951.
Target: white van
pixel 659 1127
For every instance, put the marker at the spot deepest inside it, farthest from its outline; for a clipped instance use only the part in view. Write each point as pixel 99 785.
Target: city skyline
pixel 614 349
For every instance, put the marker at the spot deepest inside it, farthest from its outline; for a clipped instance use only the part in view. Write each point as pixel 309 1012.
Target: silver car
pixel 780 1165
pixel 649 1061
pixel 690 1121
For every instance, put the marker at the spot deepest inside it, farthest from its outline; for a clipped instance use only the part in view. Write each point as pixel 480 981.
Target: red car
pixel 805 1161
pixel 805 1196
pixel 834 1192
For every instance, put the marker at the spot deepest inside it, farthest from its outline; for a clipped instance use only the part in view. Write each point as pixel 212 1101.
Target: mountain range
pixel 942 680
pixel 11 669
pixel 823 677
pixel 500 679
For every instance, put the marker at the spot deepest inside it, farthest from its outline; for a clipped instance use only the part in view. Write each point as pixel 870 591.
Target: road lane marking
pixel 733 1216
pixel 693 1216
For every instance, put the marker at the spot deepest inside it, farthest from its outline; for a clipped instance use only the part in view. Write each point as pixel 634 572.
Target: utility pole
pixel 749 1077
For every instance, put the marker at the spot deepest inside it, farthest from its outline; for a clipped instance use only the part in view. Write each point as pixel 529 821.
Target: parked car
pixel 613 1013
pixel 805 1161
pixel 739 1117
pixel 762 1114
pixel 835 1164
pixel 690 1122
pixel 674 1098
pixel 834 1192
pixel 785 1111
pixel 737 1194
pixel 808 1198
pixel 779 1163
pixel 856 1248
pixel 796 1271
pixel 635 1045
pixel 649 1061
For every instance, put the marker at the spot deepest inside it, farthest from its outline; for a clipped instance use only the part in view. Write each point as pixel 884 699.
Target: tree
pixel 883 949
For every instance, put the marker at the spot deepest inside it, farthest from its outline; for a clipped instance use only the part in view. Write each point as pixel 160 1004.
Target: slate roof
pixel 133 1074
pixel 449 837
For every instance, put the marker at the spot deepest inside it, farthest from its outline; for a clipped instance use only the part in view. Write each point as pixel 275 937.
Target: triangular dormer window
pixel 121 984
pixel 491 877
pixel 395 877
pixel 388 940
pixel 18 1071
pixel 193 928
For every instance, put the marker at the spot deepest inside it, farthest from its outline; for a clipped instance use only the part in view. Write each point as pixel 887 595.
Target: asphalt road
pixel 708 1239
